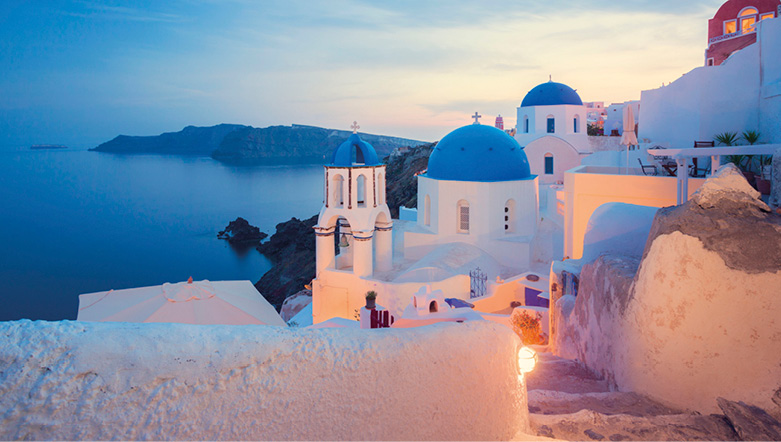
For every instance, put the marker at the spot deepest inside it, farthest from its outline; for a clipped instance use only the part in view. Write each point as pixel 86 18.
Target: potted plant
pixel 764 174
pixel 371 297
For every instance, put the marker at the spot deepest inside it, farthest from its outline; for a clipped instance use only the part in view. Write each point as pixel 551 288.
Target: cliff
pixel 235 143
pixel 292 247
pixel 189 141
pixel 294 144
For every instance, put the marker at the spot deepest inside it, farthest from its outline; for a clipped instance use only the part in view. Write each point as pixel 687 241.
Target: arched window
pixel 358 156
pixel 432 307
pixel 526 124
pixel 427 210
pixel 576 122
pixel 551 124
pixel 548 163
pixel 509 216
pixel 338 190
pixel 360 184
pixel 463 217
pixel 381 188
pixel 748 18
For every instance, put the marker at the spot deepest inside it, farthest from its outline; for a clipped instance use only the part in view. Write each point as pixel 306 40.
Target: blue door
pixel 533 300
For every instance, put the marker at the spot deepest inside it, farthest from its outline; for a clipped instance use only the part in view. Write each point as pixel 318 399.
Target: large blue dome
pixel 478 153
pixel 551 94
pixel 355 151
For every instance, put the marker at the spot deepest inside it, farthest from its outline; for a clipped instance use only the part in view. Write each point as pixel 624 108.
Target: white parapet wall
pixel 76 380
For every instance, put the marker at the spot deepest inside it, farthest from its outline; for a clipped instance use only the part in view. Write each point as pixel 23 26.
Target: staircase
pixel 569 402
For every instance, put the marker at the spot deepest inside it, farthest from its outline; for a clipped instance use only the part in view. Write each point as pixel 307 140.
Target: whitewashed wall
pixel 744 93
pixel 95 381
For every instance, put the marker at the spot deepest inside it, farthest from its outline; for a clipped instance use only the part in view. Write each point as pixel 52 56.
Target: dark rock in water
pixel 191 140
pixel 750 422
pixel 241 232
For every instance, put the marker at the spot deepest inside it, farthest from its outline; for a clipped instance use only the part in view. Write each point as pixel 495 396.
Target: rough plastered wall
pixel 76 380
pixel 700 318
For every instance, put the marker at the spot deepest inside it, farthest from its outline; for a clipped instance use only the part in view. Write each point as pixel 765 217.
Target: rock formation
pixel 697 317
pixel 241 232
pixel 189 141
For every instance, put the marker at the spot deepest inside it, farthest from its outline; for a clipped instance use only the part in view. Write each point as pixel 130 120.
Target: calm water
pixel 76 222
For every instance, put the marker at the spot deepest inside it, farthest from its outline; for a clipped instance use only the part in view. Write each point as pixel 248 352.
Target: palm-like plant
pixel 726 138
pixel 750 136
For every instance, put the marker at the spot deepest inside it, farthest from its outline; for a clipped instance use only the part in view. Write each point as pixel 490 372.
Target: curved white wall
pixel 73 380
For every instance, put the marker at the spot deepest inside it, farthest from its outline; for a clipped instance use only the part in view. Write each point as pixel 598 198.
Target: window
pixel 766 16
pixel 338 188
pixel 747 24
pixel 360 184
pixel 710 62
pixel 526 124
pixel 548 164
pixel 509 216
pixel 575 122
pixel 748 11
pixel 427 211
pixel 463 217
pixel 730 26
pixel 551 125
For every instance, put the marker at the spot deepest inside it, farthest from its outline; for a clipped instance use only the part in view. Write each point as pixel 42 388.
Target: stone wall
pixel 96 381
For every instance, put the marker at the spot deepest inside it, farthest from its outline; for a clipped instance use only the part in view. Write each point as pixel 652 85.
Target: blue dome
pixel 355 151
pixel 478 153
pixel 551 94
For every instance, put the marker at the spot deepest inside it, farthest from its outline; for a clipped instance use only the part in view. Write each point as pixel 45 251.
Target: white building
pixel 614 124
pixel 551 126
pixel 477 208
pixel 742 93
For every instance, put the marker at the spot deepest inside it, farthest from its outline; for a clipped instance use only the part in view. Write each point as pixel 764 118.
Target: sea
pixel 76 221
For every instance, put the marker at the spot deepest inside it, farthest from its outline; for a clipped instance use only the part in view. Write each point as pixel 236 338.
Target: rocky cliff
pixel 189 141
pixel 292 247
pixel 234 143
pixel 294 144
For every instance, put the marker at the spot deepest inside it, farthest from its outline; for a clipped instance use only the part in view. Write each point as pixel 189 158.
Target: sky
pixel 81 72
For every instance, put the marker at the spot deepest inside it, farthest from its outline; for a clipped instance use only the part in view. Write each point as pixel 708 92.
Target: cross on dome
pixel 476 116
pixel 355 127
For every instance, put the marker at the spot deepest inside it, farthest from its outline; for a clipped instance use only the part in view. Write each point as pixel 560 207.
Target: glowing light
pixel 527 359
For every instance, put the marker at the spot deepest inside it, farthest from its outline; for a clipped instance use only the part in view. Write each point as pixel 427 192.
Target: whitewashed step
pixel 633 404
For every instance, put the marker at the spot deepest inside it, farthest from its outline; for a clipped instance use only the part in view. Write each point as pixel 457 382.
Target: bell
pixel 343 242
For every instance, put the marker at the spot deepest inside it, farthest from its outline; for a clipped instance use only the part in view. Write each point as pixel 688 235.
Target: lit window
pixel 551 125
pixel 766 16
pixel 548 164
pixel 463 217
pixel 730 27
pixel 748 11
pixel 747 24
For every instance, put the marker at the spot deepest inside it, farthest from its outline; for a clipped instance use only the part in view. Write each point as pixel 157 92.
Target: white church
pixel 477 216
pixel 551 126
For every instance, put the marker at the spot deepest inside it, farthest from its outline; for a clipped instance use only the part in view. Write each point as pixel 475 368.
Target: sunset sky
pixel 82 72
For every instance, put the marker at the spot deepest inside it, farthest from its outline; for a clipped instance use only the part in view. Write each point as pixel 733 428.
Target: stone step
pixel 565 375
pixel 632 404
pixel 591 425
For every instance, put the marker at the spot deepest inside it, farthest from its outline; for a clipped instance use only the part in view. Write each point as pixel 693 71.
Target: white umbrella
pixel 202 302
pixel 628 137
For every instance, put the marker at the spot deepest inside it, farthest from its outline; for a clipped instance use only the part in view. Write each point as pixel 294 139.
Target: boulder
pixel 241 232
pixel 295 303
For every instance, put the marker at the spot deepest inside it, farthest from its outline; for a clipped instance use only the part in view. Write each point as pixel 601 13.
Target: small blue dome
pixel 551 94
pixel 355 151
pixel 478 153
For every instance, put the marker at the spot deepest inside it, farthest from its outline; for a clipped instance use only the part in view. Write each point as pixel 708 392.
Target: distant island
pixel 233 143
pixel 47 146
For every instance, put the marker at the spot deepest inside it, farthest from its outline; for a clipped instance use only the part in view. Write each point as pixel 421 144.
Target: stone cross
pixel 355 127
pixel 476 116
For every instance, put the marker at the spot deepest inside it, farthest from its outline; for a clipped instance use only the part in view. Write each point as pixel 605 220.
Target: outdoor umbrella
pixel 628 137
pixel 202 302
